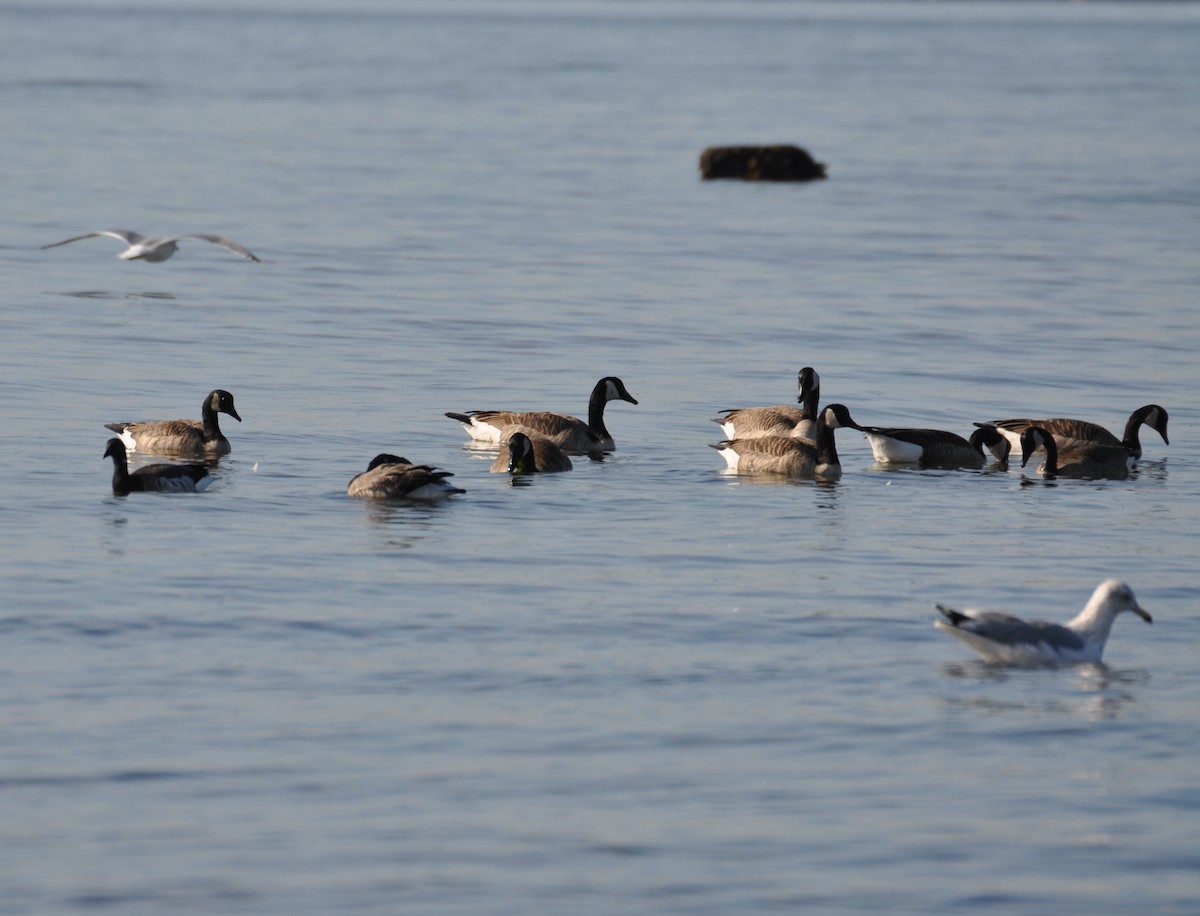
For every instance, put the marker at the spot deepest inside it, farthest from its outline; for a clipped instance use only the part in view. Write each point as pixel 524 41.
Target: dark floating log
pixel 782 162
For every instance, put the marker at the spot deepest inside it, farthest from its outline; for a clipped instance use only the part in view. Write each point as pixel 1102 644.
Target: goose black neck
pixel 1131 440
pixel 208 417
pixel 1051 467
pixel 826 443
pixel 596 410
pixel 811 401
pixel 121 481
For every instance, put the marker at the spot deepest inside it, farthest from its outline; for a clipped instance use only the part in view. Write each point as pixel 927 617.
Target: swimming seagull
pixel 1008 640
pixel 143 248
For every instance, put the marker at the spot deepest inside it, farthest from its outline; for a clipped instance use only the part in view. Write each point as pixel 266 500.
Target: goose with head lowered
pixel 188 438
pixel 788 456
pixel 392 477
pixel 1151 415
pixel 569 433
pixel 1004 639
pixel 934 447
pixel 529 453
pixel 1072 458
pixel 780 420
pixel 154 478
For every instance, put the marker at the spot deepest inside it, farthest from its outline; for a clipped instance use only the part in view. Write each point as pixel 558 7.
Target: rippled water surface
pixel 643 686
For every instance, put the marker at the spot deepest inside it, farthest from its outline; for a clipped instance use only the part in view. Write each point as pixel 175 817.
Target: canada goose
pixel 524 454
pixel 778 162
pixel 154 478
pixel 790 456
pixel 934 447
pixel 191 438
pixel 154 250
pixel 1064 428
pixel 392 477
pixel 781 420
pixel 990 438
pixel 1072 458
pixel 567 432
pixel 1012 641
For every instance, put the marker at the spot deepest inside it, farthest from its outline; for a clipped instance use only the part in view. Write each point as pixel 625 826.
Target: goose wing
pixel 1060 428
pixel 393 481
pixel 746 422
pixel 770 455
pixel 545 423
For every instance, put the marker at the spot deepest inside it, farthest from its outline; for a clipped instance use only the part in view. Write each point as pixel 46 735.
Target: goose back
pixel 757 422
pixel 391 477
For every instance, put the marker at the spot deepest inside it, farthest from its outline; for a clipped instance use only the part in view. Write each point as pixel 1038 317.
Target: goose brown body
pixel 1151 415
pixel 789 456
pixel 778 420
pixel 186 438
pixel 1073 458
pixel 569 433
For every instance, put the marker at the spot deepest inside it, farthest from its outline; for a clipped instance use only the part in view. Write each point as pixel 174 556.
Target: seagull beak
pixel 1143 613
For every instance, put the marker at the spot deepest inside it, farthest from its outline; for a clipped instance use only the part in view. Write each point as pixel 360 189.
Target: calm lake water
pixel 644 686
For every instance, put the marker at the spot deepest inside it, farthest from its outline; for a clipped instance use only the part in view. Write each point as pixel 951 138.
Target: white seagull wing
pixel 123 235
pixel 216 240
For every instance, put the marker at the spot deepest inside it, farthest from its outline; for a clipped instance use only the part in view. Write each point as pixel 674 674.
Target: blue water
pixel 644 686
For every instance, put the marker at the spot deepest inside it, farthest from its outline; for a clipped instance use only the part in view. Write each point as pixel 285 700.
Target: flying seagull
pixel 142 248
